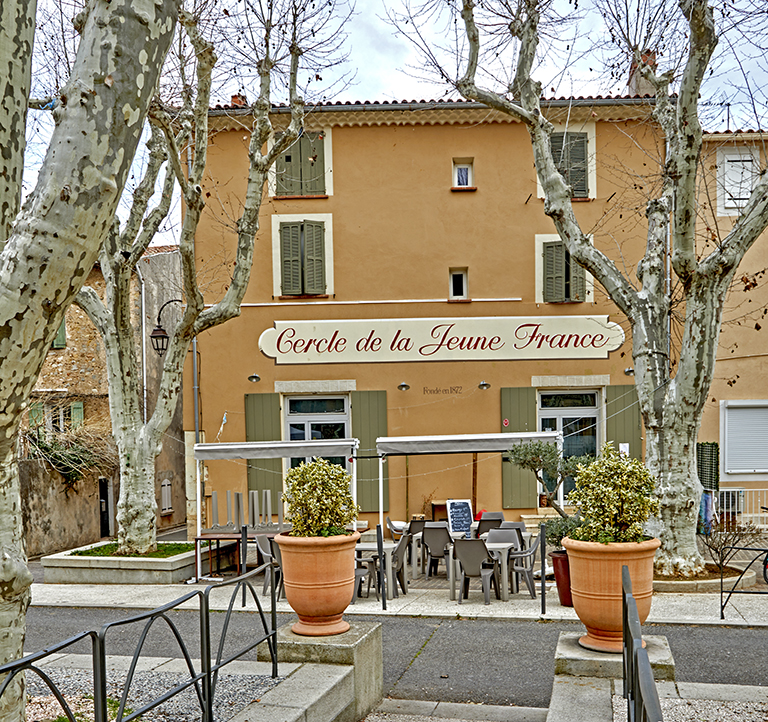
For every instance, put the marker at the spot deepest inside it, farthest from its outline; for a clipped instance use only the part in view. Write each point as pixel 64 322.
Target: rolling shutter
pixel 314 258
pixel 623 420
pixel 290 258
pixel 262 423
pixel 518 487
pixel 368 414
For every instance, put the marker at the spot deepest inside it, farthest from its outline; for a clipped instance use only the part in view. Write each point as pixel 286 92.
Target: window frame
pixel 726 204
pixel 277 256
pixel 464 274
pixel 327 170
pixel 469 164
pixel 730 434
pixel 308 418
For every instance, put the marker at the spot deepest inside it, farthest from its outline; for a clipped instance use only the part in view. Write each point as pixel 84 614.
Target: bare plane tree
pixel 671 396
pixel 54 239
pixel 280 45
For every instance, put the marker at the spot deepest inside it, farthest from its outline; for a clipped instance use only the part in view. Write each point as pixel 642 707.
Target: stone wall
pixel 54 521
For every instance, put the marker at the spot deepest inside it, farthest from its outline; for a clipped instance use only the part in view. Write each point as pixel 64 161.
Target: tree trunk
pixel 137 506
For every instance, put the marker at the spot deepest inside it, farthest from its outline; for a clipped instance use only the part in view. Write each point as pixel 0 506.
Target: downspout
pixel 143 336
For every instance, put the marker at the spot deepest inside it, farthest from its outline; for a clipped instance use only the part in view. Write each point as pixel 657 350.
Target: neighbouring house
pixel 407 282
pixel 69 470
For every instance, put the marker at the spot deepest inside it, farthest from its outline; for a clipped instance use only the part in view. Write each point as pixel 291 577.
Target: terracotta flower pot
pixel 562 576
pixel 319 574
pixel 596 586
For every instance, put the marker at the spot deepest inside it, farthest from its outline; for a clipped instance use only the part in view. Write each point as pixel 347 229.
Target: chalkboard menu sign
pixel 459 514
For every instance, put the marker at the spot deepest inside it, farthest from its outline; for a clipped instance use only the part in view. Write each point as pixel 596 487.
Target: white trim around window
pixel 277 219
pixel 539 240
pixel 589 129
pixel 737 172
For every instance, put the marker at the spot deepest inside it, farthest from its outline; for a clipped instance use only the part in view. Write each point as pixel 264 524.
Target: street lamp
pixel 159 336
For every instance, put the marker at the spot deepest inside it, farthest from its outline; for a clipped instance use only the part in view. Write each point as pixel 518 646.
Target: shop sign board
pixel 488 338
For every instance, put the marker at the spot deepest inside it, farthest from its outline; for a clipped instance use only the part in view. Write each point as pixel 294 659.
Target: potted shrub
pixel 615 496
pixel 555 530
pixel 318 554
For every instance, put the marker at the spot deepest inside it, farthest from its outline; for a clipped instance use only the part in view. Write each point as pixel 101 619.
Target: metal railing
pixel 743 506
pixel 759 554
pixel 639 686
pixel 203 680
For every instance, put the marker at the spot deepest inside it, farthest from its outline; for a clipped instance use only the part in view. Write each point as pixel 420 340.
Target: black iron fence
pixel 639 686
pixel 202 680
pixel 759 555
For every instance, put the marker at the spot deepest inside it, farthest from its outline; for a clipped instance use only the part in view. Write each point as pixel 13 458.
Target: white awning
pixel 276 449
pixel 459 444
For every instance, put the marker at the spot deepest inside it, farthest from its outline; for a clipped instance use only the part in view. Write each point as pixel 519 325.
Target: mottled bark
pixel 57 234
pixel 17 29
pixel 671 405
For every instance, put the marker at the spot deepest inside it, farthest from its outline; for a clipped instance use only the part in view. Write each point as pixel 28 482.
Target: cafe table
pixel 389 548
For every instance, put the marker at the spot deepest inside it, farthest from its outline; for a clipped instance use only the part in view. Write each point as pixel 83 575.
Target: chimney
pixel 239 101
pixel 637 84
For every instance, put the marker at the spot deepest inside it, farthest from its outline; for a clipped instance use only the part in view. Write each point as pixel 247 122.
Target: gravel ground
pixel 699 710
pixel 233 693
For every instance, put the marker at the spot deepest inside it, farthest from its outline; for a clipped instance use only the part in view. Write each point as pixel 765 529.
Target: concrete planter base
pixel 65 568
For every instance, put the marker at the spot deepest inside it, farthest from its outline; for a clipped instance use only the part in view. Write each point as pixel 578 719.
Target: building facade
pixel 407 282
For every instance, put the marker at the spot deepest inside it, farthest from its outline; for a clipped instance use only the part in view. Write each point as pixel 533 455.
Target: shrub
pixel 615 496
pixel 319 500
pixel 557 528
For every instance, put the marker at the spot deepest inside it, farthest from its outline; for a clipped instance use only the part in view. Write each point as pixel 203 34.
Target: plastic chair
pixel 398 562
pixel 415 526
pixel 475 561
pixel 395 531
pixel 506 536
pixel 522 562
pixel 489 520
pixel 436 541
pixel 365 569
pixel 520 526
pixel 267 550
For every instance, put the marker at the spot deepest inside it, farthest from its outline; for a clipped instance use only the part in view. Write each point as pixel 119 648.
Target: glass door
pixel 314 418
pixel 575 415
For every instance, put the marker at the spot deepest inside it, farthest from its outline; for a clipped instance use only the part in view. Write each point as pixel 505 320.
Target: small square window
pixel 463 175
pixel 458 284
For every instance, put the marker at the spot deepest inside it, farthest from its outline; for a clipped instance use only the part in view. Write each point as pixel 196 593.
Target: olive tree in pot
pixel 555 530
pixel 318 554
pixel 615 496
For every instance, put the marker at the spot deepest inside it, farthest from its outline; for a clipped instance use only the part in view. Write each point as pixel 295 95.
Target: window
pixel 570 152
pixel 56 417
pixel 736 174
pixel 463 174
pixel 457 290
pixel 744 427
pixel 302 254
pixel 317 417
pixel 575 414
pixel 302 258
pixel 61 336
pixel 300 170
pixel 564 280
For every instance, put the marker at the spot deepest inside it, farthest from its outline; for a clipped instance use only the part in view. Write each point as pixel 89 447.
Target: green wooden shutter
pixel 518 487
pixel 554 272
pixel 368 413
pixel 290 258
pixel 36 414
pixel 312 164
pixel 559 153
pixel 262 423
pixel 578 281
pixel 577 164
pixel 288 171
pixel 314 257
pixel 61 336
pixel 622 419
pixel 76 414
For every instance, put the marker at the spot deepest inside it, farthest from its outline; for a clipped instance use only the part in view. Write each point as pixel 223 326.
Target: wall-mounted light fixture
pixel 254 378
pixel 629 372
pixel 403 386
pixel 484 385
pixel 159 336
